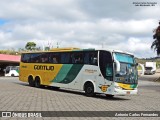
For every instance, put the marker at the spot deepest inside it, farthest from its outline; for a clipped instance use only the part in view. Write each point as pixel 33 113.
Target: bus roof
pixel 123 52
pixel 119 51
pixel 62 49
pixel 78 49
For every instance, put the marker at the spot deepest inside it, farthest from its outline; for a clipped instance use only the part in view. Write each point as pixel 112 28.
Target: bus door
pixel 106 66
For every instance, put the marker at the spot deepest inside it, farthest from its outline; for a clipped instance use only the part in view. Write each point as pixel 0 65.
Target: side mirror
pixel 4 70
pixel 117 66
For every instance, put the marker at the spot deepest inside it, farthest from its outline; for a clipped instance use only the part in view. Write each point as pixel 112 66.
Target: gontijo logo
pixel 43 67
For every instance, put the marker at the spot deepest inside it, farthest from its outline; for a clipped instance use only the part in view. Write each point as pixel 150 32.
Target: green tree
pixel 156 43
pixel 30 46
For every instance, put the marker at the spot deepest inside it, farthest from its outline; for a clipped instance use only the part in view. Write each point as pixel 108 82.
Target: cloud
pixel 140 47
pixel 81 23
pixel 119 9
pixel 29 10
pixel 149 12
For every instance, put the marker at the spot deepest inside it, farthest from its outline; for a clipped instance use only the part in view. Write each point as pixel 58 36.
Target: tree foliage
pixel 30 46
pixel 156 43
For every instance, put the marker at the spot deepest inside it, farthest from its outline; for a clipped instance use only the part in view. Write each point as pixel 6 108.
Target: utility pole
pixel 58 44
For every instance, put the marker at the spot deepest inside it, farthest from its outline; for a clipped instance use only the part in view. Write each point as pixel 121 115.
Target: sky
pixel 125 25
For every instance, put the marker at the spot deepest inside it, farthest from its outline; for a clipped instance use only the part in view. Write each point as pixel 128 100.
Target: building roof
pixel 10 58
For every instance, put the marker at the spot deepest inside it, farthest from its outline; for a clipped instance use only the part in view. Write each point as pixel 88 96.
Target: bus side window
pixel 72 58
pixel 37 57
pixel 54 58
pixel 25 58
pixel 86 58
pixel 109 70
pixel 65 58
pixel 77 58
pixel 44 58
pixel 33 57
pixel 91 58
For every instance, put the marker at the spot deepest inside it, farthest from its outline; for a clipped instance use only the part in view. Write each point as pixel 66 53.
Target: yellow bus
pixel 89 70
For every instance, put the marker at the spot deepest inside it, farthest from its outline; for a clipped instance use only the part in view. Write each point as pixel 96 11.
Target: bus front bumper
pixel 125 92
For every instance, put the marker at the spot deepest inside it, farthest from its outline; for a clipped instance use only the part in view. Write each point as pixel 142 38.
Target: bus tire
pixel 89 89
pixel 55 88
pixel 37 82
pixel 109 96
pixel 31 81
pixel 12 75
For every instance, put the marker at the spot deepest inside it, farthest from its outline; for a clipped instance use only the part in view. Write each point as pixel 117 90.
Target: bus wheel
pixel 31 81
pixel 89 89
pixel 12 75
pixel 55 88
pixel 37 82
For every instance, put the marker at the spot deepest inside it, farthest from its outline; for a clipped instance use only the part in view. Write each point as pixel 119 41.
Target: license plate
pixel 128 92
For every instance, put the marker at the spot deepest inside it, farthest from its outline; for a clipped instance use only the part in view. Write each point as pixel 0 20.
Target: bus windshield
pixel 124 58
pixel 128 70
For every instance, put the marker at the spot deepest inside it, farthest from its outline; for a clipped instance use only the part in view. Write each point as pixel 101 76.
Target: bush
pixel 9 52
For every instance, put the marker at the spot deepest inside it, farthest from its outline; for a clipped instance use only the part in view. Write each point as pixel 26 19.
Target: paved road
pixel 150 77
pixel 18 96
pixel 148 81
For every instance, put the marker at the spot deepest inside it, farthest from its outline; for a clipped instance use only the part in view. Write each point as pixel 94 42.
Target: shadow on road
pixel 97 96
